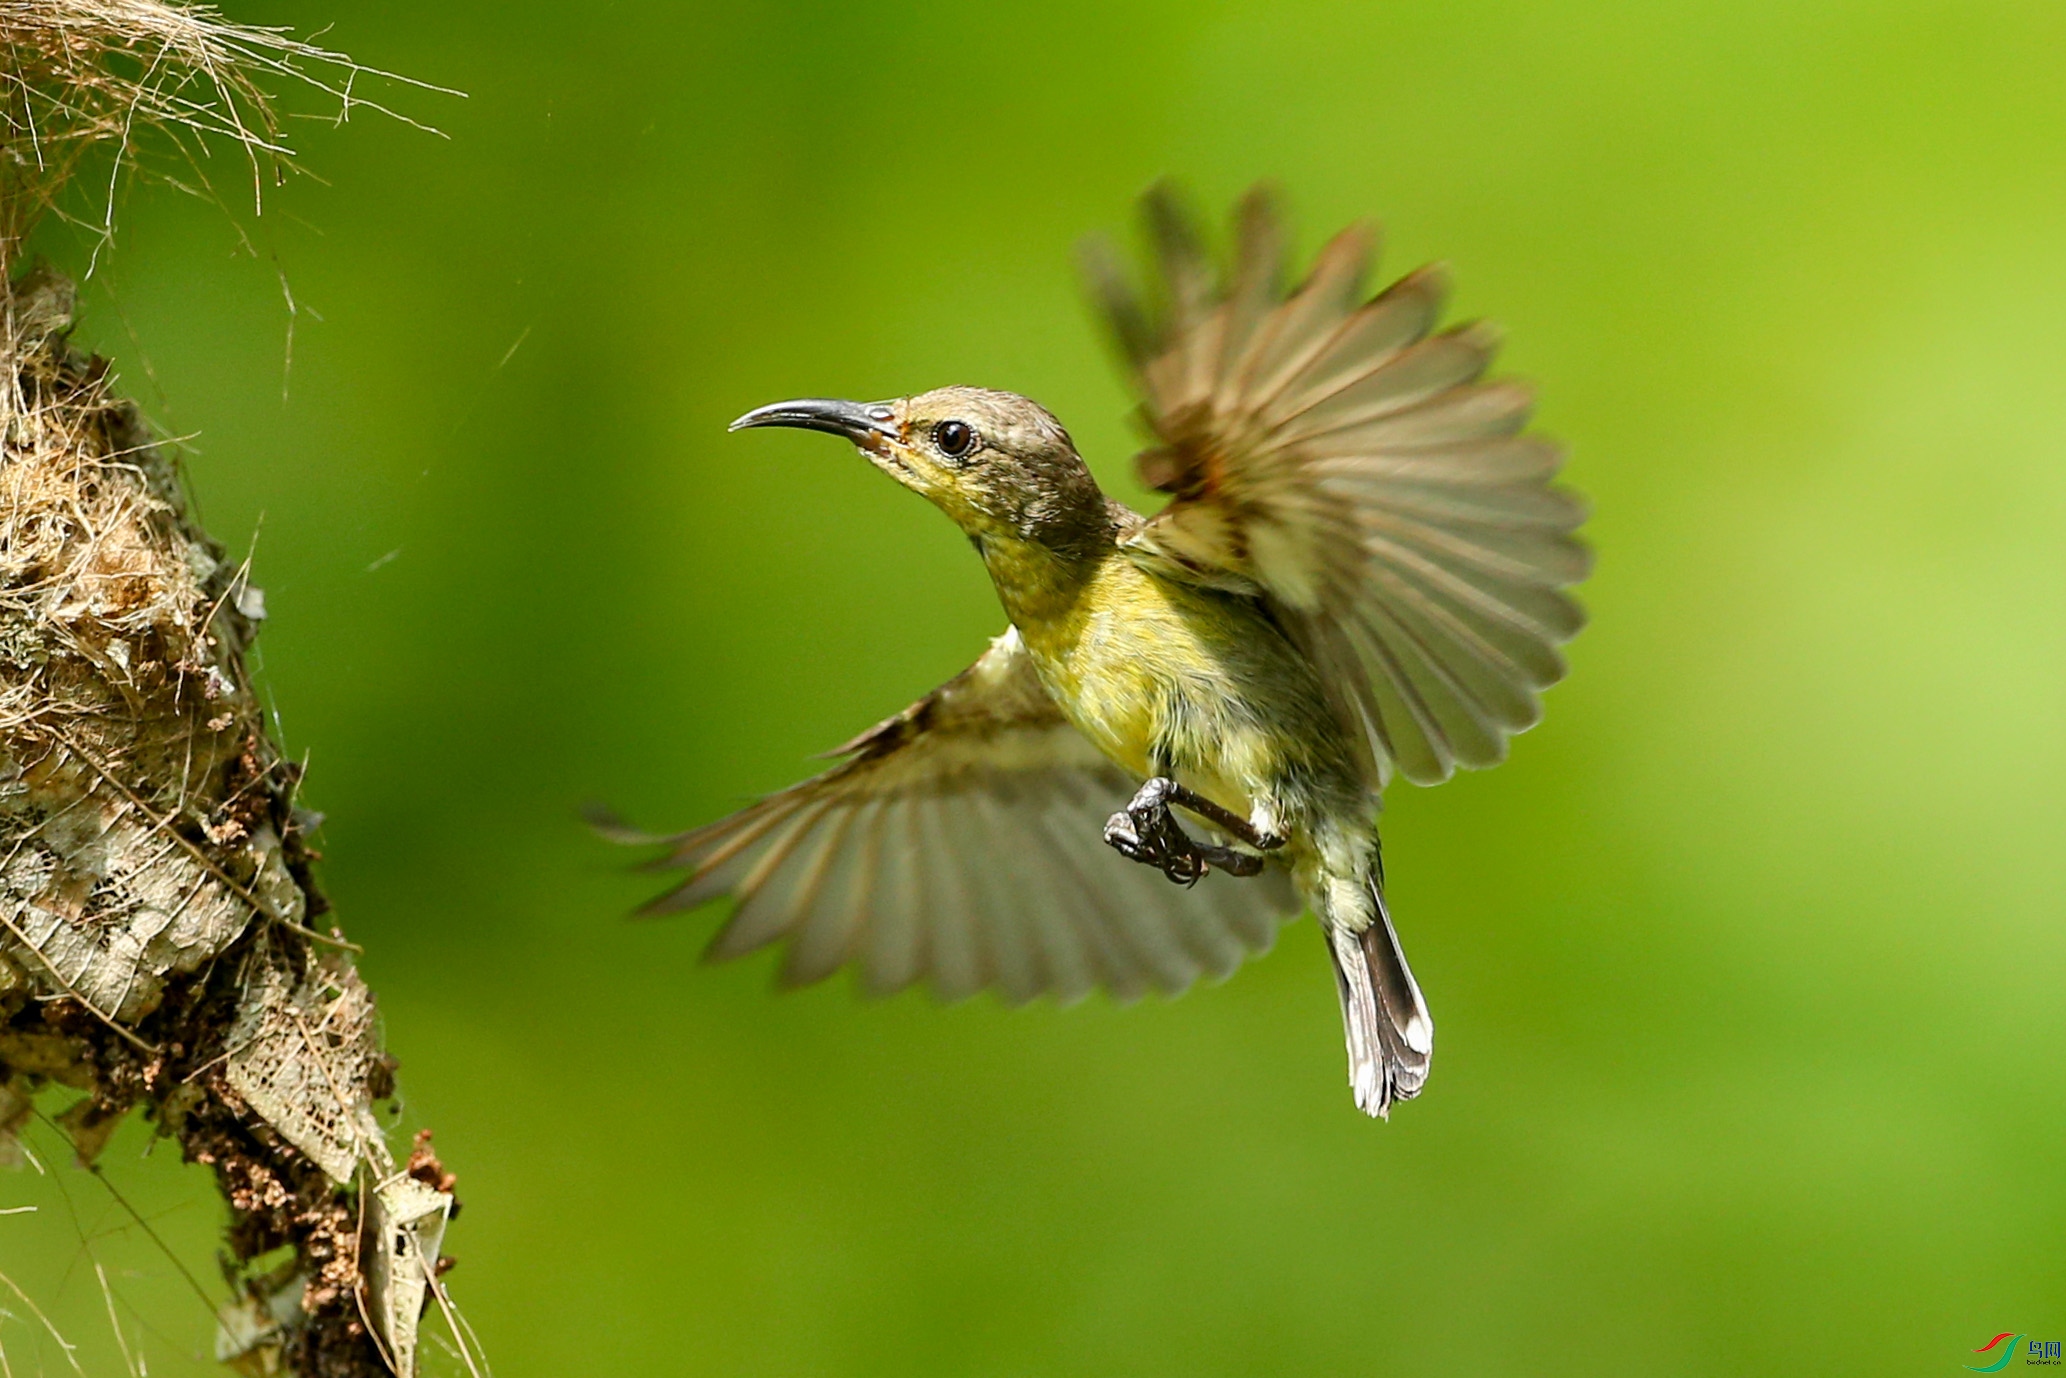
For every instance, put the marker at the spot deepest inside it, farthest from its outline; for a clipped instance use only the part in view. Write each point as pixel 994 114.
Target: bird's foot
pixel 1154 839
pixel 1146 831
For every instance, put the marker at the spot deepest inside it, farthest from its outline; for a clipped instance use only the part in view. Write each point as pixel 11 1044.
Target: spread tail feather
pixel 1391 1038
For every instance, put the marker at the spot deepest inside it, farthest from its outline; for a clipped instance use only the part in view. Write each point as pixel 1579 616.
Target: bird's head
pixel 997 463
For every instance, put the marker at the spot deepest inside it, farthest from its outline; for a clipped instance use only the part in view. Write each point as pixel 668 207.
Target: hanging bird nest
pixel 163 944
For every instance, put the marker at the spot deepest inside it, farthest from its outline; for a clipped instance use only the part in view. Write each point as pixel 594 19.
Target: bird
pixel 1181 738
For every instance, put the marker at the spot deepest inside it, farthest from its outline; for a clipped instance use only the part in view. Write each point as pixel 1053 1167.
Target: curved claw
pixel 1146 831
pixel 1148 841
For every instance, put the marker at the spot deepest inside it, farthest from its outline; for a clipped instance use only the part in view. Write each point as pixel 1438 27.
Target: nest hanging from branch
pixel 162 945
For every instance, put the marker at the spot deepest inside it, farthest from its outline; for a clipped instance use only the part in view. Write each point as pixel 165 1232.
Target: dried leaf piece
pixel 16 1101
pixel 300 1056
pixel 405 1229
pixel 251 1332
pixel 89 1126
pixel 36 1053
pixel 109 908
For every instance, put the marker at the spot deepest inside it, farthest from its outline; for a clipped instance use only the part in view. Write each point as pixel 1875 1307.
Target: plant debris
pixel 160 947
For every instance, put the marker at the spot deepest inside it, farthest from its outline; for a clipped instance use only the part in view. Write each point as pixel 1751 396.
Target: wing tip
pixel 1262 205
pixel 1482 336
pixel 612 826
pixel 1170 216
pixel 669 903
pixel 1102 271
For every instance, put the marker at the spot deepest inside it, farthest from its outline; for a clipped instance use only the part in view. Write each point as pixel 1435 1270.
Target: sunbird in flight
pixel 1359 571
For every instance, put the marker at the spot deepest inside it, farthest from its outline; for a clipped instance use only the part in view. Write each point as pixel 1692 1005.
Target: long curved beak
pixel 867 424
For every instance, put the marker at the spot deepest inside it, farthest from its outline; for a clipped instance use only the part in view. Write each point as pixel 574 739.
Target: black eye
pixel 954 439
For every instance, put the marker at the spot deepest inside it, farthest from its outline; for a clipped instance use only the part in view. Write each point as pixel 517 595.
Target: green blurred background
pixel 1748 965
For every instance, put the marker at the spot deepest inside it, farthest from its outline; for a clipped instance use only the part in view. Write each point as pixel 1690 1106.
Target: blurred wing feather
pixel 1344 461
pixel 961 842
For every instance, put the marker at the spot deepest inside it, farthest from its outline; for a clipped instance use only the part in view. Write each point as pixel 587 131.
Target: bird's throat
pixel 1042 588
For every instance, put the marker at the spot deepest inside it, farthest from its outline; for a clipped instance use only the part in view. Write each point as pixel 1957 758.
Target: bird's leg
pixel 1147 832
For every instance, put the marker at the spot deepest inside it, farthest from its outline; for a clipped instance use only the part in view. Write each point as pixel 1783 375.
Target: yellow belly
pixel 1161 677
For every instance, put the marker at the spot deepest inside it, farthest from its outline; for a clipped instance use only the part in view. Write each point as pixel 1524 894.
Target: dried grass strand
pixel 82 75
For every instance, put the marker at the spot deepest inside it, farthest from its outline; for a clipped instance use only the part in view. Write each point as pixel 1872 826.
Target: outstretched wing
pixel 1336 458
pixel 962 840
